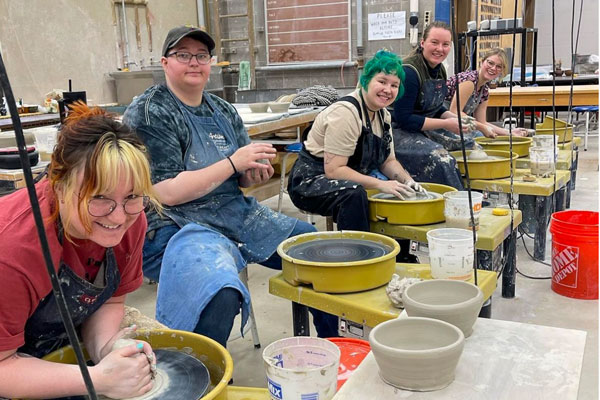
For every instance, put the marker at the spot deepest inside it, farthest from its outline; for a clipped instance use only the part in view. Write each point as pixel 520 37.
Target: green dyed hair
pixel 386 62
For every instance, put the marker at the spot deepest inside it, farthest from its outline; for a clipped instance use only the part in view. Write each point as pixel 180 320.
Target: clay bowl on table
pixel 277 107
pixel 456 302
pixel 259 107
pixel 418 354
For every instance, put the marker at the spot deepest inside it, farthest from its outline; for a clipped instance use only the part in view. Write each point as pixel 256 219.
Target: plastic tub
pixel 548 126
pixel 300 368
pixel 352 352
pixel 451 253
pixel 575 253
pixel 541 161
pixel 456 209
pixel 520 145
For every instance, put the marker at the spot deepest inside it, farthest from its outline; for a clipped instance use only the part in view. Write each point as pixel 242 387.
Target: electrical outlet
pixel 426 18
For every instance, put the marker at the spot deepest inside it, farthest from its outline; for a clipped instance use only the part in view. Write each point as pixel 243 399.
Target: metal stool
pixel 587 110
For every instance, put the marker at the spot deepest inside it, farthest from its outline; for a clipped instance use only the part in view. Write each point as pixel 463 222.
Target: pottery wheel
pixel 338 250
pixel 178 376
pixel 418 196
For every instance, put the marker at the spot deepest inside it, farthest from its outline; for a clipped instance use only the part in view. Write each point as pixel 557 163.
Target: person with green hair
pixel 349 149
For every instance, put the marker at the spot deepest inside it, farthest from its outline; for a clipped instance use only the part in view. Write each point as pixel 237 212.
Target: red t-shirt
pixel 24 279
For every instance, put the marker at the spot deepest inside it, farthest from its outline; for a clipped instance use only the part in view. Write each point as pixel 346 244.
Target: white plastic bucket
pixel 456 209
pixel 451 253
pixel 302 368
pixel 45 140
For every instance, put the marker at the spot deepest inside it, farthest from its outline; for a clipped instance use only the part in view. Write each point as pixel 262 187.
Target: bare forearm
pixel 100 328
pixel 394 170
pixel 32 378
pixel 191 185
pixel 347 173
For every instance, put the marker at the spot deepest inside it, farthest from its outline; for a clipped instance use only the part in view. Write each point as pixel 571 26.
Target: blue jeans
pixel 216 319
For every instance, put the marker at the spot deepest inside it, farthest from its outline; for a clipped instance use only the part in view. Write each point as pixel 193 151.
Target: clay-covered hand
pixel 255 176
pixel 124 338
pixel 521 132
pixel 488 131
pixel 123 373
pixel 250 156
pixel 451 124
pixel 400 190
pixel 415 186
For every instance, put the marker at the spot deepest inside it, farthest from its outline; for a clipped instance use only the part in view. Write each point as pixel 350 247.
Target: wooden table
pixel 493 231
pixel 29 121
pixel 291 121
pixel 501 360
pixel 535 201
pixel 541 96
pixel 365 309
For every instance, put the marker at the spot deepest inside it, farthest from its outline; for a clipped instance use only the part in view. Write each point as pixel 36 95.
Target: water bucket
pixel 575 253
pixel 541 161
pixel 456 209
pixel 451 253
pixel 353 351
pixel 300 368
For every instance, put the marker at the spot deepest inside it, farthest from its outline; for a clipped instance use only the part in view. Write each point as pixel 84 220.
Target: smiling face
pixel 491 68
pixel 436 46
pixel 186 76
pixel 106 231
pixel 382 91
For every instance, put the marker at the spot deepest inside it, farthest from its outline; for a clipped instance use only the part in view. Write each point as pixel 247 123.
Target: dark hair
pixel 428 28
pixel 383 61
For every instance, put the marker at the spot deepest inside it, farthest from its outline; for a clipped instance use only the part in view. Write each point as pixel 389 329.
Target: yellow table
pixel 493 231
pixel 367 308
pixel 247 393
pixel 536 200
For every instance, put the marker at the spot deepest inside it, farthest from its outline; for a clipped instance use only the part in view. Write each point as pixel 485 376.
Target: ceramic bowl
pixel 259 107
pixel 277 107
pixel 456 302
pixel 418 354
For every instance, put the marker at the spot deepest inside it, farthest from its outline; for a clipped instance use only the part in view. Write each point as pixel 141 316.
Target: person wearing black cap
pixel 209 231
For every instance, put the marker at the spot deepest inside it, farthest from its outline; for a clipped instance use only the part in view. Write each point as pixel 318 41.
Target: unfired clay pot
pixel 415 353
pixel 456 302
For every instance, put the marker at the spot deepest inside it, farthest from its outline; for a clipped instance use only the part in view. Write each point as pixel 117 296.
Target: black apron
pixel 424 154
pixel 44 330
pixel 307 182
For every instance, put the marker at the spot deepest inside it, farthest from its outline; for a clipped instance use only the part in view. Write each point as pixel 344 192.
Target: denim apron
pixel 256 229
pixel 220 232
pixel 307 180
pixel 424 154
pixel 44 330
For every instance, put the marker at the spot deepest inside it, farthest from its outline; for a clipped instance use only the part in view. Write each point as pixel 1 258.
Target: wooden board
pixel 541 96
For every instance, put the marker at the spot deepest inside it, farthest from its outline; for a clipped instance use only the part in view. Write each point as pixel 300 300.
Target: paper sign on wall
pixel 387 25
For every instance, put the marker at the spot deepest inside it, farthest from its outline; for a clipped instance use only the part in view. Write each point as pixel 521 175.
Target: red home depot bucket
pixel 575 253
pixel 353 351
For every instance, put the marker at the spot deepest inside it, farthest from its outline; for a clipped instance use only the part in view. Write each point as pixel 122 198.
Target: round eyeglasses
pixel 492 64
pixel 103 206
pixel 184 57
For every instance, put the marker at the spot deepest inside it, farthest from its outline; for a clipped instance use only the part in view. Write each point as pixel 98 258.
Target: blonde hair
pixel 105 150
pixel 497 51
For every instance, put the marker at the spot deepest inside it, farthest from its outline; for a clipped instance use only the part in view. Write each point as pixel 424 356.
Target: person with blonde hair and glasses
pixel 474 92
pixel 92 203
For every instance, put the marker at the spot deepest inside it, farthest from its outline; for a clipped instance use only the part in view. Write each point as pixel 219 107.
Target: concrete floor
pixel 534 303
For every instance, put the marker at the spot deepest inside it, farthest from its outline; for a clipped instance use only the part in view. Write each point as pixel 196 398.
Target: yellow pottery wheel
pixel 546 128
pixel 214 356
pixel 487 169
pixel 520 144
pixel 339 277
pixel 418 212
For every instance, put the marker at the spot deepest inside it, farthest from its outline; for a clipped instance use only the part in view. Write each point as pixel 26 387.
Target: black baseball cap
pixel 176 34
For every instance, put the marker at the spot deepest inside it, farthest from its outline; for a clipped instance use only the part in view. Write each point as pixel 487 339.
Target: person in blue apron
pixel 201 155
pixel 424 130
pixel 92 203
pixel 349 149
pixel 474 93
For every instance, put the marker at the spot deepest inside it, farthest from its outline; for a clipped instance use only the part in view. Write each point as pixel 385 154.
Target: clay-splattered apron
pixel 256 229
pixel 307 181
pixel 424 154
pixel 44 330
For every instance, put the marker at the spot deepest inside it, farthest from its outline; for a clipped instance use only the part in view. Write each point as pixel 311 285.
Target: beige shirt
pixel 337 128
